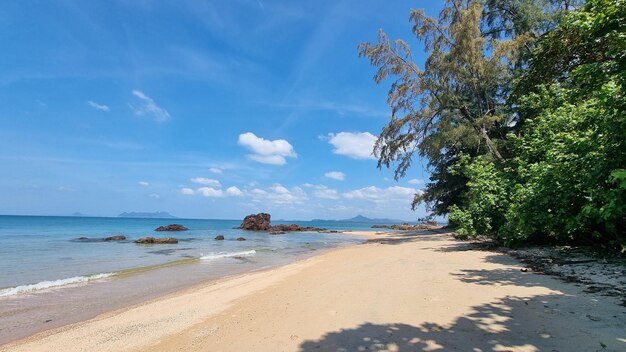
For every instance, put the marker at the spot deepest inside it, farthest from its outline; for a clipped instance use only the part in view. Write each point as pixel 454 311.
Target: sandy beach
pixel 399 292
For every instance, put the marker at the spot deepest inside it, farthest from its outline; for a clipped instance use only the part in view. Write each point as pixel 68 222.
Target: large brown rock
pixel 172 227
pixel 258 222
pixel 219 238
pixel 152 240
pixel 115 238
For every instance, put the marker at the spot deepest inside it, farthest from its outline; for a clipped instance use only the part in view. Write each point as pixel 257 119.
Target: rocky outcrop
pixel 256 222
pixel 115 238
pixel 219 238
pixel 408 227
pixel 152 240
pixel 172 227
pixel 261 222
pixel 293 228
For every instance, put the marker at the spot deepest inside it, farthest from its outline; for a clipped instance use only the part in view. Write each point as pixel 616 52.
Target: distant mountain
pixel 154 215
pixel 361 218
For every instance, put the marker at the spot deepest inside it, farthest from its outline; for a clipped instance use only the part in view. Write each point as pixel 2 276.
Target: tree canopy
pixel 519 110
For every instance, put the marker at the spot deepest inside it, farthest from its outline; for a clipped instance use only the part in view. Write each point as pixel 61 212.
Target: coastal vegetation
pixel 519 109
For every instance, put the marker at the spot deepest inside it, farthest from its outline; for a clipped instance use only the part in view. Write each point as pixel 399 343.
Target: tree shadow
pixel 509 324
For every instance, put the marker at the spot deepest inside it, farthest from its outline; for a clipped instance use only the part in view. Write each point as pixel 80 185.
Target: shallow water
pixel 50 279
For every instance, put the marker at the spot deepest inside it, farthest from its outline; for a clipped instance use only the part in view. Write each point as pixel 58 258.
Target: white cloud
pixel 336 175
pixel 382 195
pixel 358 145
pixel 154 195
pixel 97 106
pixel 216 170
pixel 267 151
pixel 280 189
pixel 327 193
pixel 210 192
pixel 416 181
pixel 144 183
pixel 277 194
pixel 234 191
pixel 321 191
pixel 187 191
pixel 149 107
pixel 206 181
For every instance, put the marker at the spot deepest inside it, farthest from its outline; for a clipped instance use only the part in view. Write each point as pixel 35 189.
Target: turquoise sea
pixel 44 248
pixel 50 278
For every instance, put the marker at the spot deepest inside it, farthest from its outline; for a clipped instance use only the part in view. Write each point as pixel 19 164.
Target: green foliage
pixel 457 102
pixel 565 180
pixel 485 199
pixel 520 110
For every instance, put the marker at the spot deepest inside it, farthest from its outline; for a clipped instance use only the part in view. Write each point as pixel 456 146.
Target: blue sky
pixel 210 109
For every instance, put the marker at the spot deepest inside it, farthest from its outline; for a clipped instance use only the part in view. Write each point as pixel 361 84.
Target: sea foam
pixel 228 255
pixel 12 291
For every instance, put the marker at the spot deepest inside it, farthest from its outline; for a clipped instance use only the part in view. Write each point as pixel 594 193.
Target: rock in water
pixel 152 240
pixel 115 238
pixel 241 239
pixel 172 227
pixel 258 222
pixel 219 237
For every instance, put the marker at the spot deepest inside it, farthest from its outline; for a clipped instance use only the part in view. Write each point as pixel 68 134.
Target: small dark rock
pixel 172 227
pixel 524 270
pixel 219 237
pixel 240 239
pixel 274 232
pixel 592 318
pixel 83 238
pixel 152 240
pixel 115 238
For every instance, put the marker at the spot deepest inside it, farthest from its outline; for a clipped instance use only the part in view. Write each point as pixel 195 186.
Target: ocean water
pixel 49 278
pixel 38 249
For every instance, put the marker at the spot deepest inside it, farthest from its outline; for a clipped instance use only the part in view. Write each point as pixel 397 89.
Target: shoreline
pixel 126 279
pixel 404 291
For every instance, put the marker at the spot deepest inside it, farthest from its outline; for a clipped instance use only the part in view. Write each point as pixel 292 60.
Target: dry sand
pixel 401 292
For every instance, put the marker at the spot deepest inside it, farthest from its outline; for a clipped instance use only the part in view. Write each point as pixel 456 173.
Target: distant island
pixel 361 218
pixel 153 215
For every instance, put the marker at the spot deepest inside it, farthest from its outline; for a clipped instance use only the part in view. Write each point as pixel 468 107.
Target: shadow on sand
pixel 510 324
pixel 567 320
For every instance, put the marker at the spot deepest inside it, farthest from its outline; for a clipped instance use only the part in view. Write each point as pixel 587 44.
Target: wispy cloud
pixel 216 170
pixel 187 191
pixel 323 192
pixel 149 107
pixel 267 151
pixel 415 181
pixel 278 194
pixel 383 195
pixel 336 175
pixel 206 181
pixel 144 183
pixel 97 106
pixel 339 108
pixel 356 145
